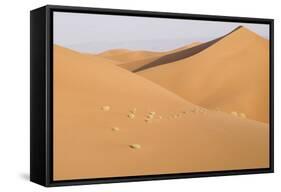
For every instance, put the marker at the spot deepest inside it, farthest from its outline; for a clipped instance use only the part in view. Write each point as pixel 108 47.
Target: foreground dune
pixel 110 122
pixel 231 75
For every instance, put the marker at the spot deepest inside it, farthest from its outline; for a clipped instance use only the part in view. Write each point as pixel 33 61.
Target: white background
pixel 14 95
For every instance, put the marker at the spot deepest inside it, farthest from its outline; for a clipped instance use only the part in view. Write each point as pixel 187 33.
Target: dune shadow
pixel 178 55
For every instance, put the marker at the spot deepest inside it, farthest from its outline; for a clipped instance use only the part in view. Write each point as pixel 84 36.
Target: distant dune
pixel 230 75
pixel 111 122
pixel 148 61
pixel 93 58
pixel 125 55
pixel 111 53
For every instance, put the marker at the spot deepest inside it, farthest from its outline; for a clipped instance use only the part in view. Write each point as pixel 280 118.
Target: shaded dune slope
pixel 177 56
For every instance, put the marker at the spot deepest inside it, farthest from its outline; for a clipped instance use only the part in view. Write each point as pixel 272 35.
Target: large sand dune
pixel 111 122
pixel 231 75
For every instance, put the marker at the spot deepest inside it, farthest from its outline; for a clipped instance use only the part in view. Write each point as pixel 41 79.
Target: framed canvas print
pixel 121 95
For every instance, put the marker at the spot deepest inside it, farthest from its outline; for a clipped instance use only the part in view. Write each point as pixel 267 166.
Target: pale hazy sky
pixel 95 33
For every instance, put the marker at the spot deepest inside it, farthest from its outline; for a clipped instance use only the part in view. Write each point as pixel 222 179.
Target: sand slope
pixel 143 62
pixel 232 75
pixel 90 99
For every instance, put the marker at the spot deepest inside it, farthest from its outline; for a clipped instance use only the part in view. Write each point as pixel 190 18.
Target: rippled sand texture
pixel 202 107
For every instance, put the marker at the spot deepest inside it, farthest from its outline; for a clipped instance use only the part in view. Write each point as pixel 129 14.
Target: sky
pixel 95 33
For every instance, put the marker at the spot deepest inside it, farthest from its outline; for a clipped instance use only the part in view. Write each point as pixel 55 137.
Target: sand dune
pixel 125 55
pixel 230 75
pixel 111 122
pixel 113 52
pixel 93 58
pixel 147 62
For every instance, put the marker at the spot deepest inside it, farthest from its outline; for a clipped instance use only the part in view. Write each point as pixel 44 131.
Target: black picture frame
pixel 41 101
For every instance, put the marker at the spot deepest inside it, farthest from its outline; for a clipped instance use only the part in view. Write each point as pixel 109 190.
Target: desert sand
pixel 110 121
